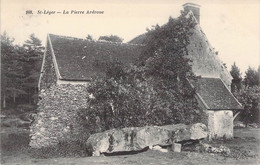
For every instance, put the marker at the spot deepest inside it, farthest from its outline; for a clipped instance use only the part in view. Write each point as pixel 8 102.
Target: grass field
pixel 244 150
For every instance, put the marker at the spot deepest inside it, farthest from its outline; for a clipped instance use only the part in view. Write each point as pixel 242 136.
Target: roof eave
pixel 43 62
pixel 54 59
pixel 231 93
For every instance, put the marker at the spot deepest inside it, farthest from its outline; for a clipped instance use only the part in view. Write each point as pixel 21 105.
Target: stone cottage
pixel 69 63
pixel 213 88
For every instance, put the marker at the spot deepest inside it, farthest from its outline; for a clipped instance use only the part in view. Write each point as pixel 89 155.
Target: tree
pixel 258 70
pixel 111 38
pixel 89 37
pixel 11 70
pixel 252 77
pixel 249 97
pixel 33 52
pixel 237 79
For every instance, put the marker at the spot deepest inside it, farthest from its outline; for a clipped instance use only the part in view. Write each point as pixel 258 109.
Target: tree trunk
pixel 35 98
pixel 29 96
pixel 14 97
pixel 4 102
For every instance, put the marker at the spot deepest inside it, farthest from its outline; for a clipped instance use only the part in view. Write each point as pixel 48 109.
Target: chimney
pixel 194 8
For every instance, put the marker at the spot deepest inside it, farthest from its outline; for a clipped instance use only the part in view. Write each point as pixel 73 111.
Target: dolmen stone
pixel 139 138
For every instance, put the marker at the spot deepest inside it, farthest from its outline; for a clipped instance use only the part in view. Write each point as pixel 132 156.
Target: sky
pixel 232 27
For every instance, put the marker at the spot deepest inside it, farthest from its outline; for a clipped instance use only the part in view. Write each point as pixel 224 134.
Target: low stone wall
pixel 57 117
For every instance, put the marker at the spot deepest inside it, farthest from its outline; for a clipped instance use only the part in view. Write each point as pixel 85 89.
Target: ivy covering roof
pixel 215 94
pixel 80 59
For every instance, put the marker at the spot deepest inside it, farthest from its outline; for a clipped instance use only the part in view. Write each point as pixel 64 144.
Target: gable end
pixel 48 76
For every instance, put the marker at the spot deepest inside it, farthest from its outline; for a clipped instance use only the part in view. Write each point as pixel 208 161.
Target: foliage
pixel 11 69
pixel 32 65
pixel 89 37
pixel 237 79
pixel 249 97
pixel 20 69
pixel 115 101
pixel 252 77
pixel 166 47
pixel 166 67
pixel 154 92
pixel 111 38
pixel 247 93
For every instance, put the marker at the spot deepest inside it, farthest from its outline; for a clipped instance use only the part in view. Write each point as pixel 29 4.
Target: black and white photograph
pixel 132 82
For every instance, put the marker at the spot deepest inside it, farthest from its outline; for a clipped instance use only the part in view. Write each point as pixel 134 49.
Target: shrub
pixel 119 100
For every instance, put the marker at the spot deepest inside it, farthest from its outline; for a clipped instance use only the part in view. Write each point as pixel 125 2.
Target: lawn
pixel 244 150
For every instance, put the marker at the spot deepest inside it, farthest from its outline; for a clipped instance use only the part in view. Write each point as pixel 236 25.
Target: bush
pixel 119 100
pixel 154 91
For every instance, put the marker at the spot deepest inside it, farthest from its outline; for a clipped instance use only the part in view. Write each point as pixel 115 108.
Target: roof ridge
pixel 96 41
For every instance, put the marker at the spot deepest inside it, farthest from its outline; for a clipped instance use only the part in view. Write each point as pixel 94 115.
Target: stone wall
pixel 57 117
pixel 223 123
pixel 220 124
pixel 205 61
pixel 211 124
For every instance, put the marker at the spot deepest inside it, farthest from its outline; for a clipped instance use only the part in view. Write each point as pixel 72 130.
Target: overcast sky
pixel 233 27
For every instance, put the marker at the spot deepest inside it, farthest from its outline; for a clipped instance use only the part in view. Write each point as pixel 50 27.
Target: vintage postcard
pixel 130 82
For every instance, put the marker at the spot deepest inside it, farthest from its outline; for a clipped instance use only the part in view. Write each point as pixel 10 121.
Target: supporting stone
pixel 176 147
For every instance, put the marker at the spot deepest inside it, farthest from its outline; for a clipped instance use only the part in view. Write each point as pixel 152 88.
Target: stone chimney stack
pixel 194 8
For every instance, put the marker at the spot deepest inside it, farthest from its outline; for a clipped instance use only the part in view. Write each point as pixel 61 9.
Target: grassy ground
pixel 244 149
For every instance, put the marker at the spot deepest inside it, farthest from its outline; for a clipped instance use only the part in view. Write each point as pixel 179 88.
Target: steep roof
pixel 215 94
pixel 205 61
pixel 79 59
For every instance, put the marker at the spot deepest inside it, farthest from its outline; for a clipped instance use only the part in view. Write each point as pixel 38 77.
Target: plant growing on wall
pixel 115 100
pixel 153 92
pixel 167 68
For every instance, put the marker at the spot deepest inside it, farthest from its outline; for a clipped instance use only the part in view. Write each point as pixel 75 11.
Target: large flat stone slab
pixel 138 138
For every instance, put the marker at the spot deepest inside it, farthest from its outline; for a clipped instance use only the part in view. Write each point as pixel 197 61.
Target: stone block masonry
pixel 57 117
